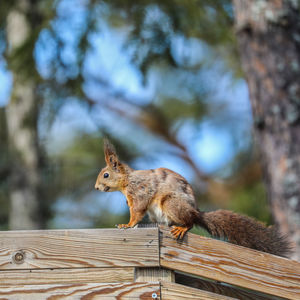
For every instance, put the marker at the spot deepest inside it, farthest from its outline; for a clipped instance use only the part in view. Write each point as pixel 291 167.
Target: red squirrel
pixel 168 198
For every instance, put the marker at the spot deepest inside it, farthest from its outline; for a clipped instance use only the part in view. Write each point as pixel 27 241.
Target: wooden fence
pixel 142 263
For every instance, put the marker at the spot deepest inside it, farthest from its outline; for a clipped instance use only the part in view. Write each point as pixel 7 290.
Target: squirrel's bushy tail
pixel 244 231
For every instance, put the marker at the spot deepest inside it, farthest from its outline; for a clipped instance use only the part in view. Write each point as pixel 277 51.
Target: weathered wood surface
pixel 232 264
pixel 64 276
pixel 85 291
pixel 58 262
pixel 153 274
pixel 222 289
pixel 174 291
pixel 78 248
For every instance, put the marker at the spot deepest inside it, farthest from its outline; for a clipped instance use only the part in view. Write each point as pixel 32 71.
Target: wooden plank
pixel 153 274
pixel 129 290
pixel 175 291
pixel 222 289
pixel 63 276
pixel 232 264
pixel 79 248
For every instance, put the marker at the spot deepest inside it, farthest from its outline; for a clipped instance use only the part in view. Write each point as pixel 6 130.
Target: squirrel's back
pixel 156 183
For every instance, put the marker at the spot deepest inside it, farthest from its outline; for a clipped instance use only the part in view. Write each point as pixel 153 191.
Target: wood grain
pixel 153 274
pixel 100 264
pixel 86 291
pixel 232 264
pixel 174 291
pixel 63 276
pixel 78 248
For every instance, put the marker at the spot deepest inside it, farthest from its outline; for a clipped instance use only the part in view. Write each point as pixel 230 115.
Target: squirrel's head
pixel 111 178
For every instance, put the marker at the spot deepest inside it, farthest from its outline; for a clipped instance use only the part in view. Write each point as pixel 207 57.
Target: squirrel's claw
pixel 178 232
pixel 123 226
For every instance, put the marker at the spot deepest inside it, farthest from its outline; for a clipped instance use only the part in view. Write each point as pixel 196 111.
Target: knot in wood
pixel 19 257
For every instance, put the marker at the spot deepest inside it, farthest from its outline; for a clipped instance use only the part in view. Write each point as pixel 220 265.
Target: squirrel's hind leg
pixel 179 232
pixel 179 212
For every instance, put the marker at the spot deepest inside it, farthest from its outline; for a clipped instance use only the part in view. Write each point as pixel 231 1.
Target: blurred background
pixel 161 79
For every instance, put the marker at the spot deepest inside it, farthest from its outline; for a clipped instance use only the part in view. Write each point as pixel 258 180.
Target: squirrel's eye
pixel 106 175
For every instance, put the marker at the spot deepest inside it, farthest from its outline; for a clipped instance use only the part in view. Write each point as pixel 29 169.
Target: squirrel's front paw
pixel 123 226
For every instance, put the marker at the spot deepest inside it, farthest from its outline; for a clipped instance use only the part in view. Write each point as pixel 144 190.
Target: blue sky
pixel 5 84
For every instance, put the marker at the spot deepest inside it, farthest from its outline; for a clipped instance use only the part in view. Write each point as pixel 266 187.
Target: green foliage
pixel 176 109
pixel 5 7
pixel 4 171
pixel 107 219
pixel 252 201
pixel 23 56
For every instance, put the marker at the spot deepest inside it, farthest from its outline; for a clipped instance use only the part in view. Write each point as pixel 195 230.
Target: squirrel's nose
pixel 96 187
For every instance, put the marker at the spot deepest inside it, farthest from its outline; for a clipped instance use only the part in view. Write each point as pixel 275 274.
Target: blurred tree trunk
pixel 22 115
pixel 268 33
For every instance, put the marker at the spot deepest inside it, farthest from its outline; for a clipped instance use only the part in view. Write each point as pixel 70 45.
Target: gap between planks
pixel 175 291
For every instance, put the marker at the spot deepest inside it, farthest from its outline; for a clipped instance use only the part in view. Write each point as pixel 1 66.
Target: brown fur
pixel 246 232
pixel 168 198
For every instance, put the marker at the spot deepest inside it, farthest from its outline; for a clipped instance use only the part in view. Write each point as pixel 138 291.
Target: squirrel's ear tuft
pixel 111 157
pixel 109 149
